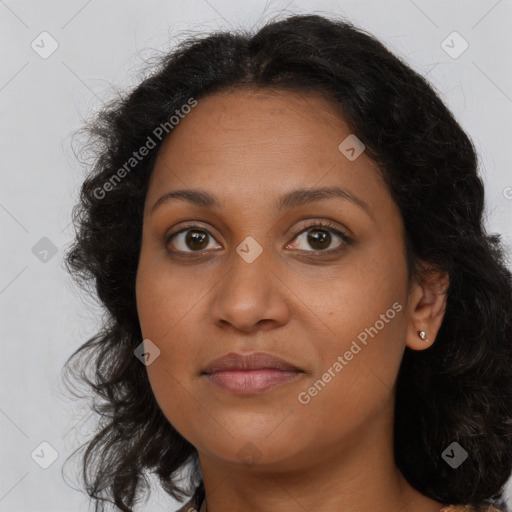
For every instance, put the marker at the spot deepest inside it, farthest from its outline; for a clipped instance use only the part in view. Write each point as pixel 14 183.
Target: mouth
pixel 250 374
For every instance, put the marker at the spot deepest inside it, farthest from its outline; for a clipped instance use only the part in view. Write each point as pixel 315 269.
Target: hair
pixel 458 390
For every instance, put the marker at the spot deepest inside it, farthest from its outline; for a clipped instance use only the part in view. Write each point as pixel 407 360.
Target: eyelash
pixel 319 225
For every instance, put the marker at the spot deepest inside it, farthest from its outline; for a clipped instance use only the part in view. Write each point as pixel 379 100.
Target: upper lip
pixel 253 361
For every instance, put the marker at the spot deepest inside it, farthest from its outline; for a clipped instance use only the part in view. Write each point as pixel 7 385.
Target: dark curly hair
pixel 460 389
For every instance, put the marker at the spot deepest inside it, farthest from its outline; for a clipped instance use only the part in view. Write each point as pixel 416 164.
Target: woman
pixel 341 338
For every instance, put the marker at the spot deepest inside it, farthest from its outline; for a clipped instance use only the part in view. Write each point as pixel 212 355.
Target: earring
pixel 423 335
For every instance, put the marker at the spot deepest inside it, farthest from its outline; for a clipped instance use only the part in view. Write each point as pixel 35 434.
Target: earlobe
pixel 423 336
pixel 427 310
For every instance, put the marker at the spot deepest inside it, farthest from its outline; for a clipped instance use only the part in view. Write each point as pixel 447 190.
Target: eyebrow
pixel 288 201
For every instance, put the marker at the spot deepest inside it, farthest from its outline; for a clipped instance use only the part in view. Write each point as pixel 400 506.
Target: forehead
pixel 278 122
pixel 248 142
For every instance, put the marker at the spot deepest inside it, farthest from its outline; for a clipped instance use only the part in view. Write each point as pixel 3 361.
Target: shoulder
pixel 465 508
pixel 191 507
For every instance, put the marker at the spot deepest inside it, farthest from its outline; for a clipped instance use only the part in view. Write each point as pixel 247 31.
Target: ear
pixel 427 305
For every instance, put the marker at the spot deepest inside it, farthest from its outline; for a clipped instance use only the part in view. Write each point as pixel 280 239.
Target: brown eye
pixel 319 237
pixel 196 239
pixel 190 240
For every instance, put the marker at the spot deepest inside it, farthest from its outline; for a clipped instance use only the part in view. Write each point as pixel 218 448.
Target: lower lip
pixel 250 382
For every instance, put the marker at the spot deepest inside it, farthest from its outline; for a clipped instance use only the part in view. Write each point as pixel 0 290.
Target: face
pixel 319 280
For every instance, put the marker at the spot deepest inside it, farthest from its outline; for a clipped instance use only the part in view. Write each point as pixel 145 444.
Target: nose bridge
pixel 249 292
pixel 248 278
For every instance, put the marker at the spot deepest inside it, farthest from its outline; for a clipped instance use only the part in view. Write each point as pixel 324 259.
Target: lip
pixel 250 374
pixel 252 361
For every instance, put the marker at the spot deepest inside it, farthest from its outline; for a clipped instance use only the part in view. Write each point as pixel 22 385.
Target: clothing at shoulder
pixel 190 507
pixel 464 508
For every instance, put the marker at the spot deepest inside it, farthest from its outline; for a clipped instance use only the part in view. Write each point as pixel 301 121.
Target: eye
pixel 320 238
pixel 192 237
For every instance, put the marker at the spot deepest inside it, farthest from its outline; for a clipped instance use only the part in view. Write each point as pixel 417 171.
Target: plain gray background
pixel 42 101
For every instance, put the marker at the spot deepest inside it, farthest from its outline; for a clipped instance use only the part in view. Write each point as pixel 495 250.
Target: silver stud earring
pixel 423 335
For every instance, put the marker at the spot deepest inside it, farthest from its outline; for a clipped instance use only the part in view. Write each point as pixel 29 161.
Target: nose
pixel 251 296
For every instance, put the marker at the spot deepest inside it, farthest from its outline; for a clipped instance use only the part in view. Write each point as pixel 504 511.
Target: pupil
pixel 321 237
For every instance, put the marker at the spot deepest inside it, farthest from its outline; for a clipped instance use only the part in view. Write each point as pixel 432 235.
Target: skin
pixel 248 147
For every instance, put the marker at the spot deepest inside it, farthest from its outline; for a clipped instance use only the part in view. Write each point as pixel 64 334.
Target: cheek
pixel 358 367
pixel 363 317
pixel 164 317
pixel 165 296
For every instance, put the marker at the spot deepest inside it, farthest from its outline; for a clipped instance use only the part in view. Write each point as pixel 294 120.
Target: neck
pixel 359 475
